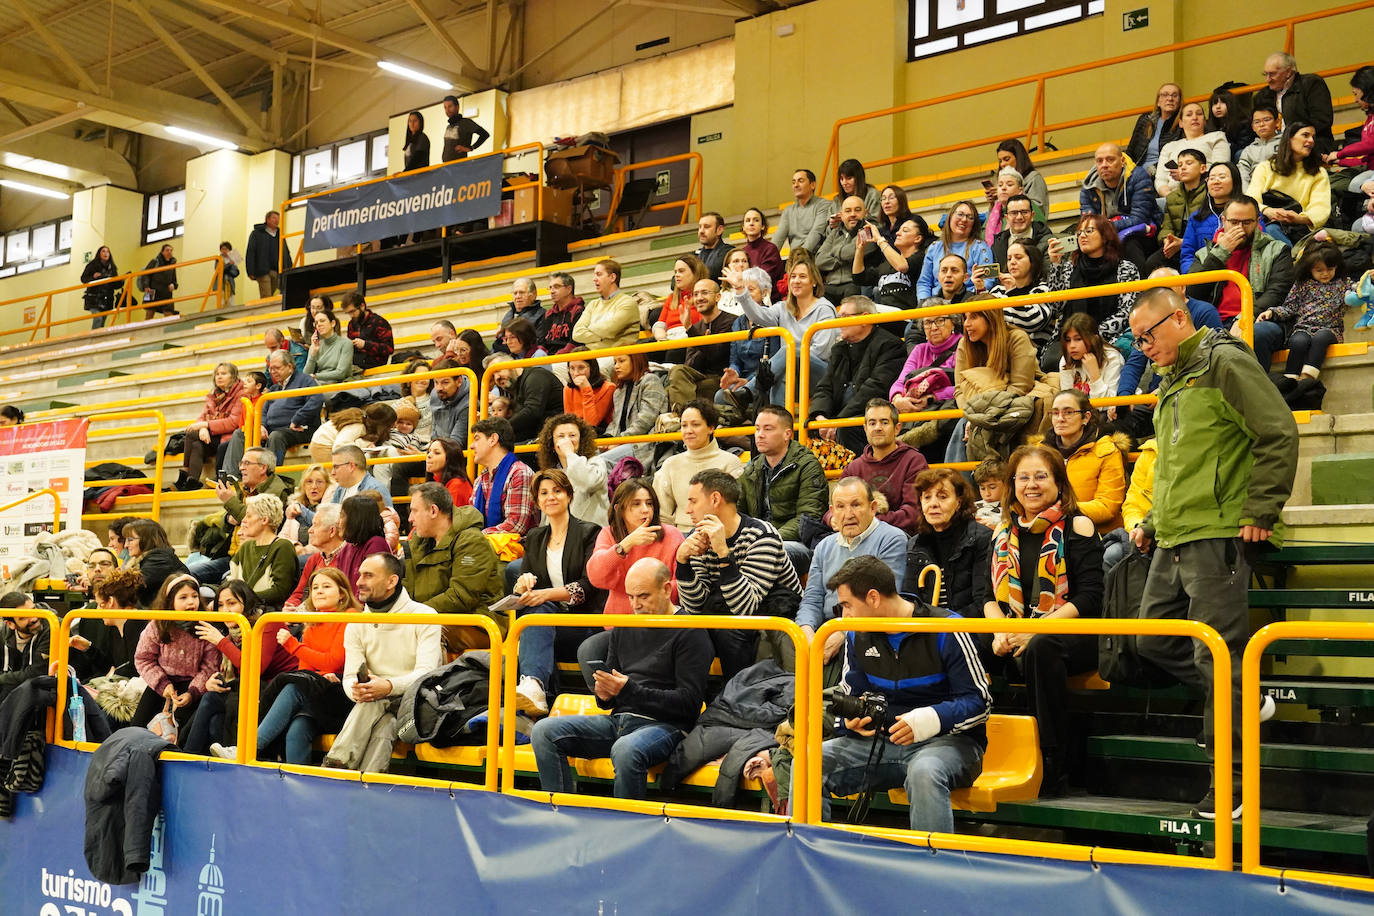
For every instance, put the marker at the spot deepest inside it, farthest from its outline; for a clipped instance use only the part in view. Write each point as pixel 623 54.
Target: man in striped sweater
pixel 937 701
pixel 734 564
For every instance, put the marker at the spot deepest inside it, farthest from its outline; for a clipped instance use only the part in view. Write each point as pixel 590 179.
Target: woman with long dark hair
pixel 759 248
pixel 364 534
pixel 1011 154
pixel 1228 115
pixel 638 400
pixel 850 181
pixel 589 394
pixel 99 297
pixel 1292 189
pixel 1046 564
pixel 151 553
pixel 446 464
pixel 1097 262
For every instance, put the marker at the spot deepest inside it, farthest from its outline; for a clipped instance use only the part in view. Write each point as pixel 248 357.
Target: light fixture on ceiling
pixel 197 137
pixel 37 166
pixel 415 75
pixel 33 189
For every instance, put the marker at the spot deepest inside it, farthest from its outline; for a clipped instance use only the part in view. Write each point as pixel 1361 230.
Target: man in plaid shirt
pixel 370 333
pixel 502 493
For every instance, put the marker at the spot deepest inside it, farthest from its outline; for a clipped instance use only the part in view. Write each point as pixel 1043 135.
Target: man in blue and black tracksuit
pixel 937 698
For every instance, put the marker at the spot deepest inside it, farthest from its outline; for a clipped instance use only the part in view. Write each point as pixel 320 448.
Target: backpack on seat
pixel 1118 661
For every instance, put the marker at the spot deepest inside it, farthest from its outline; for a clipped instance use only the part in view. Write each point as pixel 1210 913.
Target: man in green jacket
pixel 452 566
pixel 1228 452
pixel 783 482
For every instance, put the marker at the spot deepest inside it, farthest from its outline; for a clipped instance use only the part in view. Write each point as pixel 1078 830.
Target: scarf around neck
pixel 1051 584
pixel 488 502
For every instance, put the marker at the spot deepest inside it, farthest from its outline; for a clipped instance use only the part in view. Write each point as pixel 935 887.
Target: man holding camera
pixel 914 704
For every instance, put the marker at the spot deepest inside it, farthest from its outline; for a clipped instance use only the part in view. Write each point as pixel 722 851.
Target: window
pixel 35 247
pixel 938 26
pixel 164 215
pixel 339 163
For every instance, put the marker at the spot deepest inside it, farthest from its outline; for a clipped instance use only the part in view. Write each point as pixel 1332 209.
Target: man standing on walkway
pixel 1228 452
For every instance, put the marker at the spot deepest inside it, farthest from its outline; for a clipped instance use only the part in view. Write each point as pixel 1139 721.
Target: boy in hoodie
pixel 1116 189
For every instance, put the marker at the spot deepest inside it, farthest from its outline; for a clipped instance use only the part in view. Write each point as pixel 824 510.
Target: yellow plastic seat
pixel 400 751
pixel 1012 768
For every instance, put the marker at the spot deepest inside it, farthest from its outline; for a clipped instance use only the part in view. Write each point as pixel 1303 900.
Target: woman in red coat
pixel 223 413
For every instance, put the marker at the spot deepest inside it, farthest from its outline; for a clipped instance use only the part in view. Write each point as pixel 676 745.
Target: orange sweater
pixel 323 648
pixel 591 404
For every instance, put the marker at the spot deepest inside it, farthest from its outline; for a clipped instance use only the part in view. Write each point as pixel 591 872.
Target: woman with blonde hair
pixel 301 506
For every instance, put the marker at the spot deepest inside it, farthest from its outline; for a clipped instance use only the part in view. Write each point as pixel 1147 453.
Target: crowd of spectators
pixel 550 522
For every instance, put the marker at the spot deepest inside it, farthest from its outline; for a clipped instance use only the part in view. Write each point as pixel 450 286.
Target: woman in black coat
pixel 153 557
pixel 159 287
pixel 948 537
pixel 99 299
pixel 554 581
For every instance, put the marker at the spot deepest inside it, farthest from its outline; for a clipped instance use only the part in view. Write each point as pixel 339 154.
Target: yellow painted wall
pixel 718 158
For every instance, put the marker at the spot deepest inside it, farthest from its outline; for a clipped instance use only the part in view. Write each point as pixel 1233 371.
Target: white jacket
pixel 401 653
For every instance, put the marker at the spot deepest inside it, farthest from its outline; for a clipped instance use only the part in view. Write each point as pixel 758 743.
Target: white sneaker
pixel 1267 708
pixel 226 753
pixel 530 698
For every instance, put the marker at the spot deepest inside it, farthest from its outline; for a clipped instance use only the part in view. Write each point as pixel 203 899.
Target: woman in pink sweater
pixel 631 535
pixel 174 664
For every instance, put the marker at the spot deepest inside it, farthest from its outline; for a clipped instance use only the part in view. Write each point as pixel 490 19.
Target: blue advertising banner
pixel 245 840
pixel 466 190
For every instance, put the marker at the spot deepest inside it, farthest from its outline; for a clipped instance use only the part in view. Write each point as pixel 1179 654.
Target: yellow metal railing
pixel 155 481
pixel 813 707
pixel 1245 325
pixel 251 687
pixel 44 322
pixel 692 198
pixel 1250 742
pixel 801 766
pixel 56 505
pixel 61 648
pixel 1036 132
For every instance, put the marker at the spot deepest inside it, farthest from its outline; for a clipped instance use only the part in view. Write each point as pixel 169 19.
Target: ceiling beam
pixel 127 105
pixel 441 33
pixel 83 79
pixel 231 106
pixel 93 162
pixel 18 115
pixel 41 127
pixel 218 31
pixel 563 40
pixel 258 13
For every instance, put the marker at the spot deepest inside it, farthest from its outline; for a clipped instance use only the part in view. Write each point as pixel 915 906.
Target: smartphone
pixel 987 184
pixel 1069 242
pixel 989 270
pixel 363 676
pixel 599 664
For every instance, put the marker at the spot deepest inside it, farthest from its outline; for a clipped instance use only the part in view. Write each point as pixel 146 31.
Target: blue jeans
pixel 633 743
pixel 287 717
pixel 800 555
pixel 208 571
pixel 957 450
pixel 928 771
pixel 539 646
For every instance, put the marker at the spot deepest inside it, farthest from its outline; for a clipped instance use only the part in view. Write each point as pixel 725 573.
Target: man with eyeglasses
pixel 524 303
pixel 1298 97
pixel 1021 227
pixel 1227 456
pixel 1268 264
pixel 257 474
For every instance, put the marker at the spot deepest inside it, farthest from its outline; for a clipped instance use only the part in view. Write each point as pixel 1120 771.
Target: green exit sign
pixel 1135 19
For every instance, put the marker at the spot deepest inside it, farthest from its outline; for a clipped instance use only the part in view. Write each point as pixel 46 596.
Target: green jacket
pixel 1178 206
pixel 459 573
pixel 799 489
pixel 278 486
pixel 1228 446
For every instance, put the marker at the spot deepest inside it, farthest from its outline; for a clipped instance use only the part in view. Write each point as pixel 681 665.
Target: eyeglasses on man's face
pixel 1144 340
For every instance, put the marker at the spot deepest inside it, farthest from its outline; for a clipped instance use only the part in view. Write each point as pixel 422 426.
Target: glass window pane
pixel 173 207
pixel 318 169
pixel 17 247
pixel 44 241
pixel 352 161
pixel 296 173
pixel 64 235
pixel 380 146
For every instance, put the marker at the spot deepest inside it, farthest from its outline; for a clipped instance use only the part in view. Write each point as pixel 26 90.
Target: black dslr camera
pixel 872 705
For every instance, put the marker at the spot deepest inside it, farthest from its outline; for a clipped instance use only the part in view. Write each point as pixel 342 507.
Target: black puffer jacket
pixel 965 574
pixel 123 797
